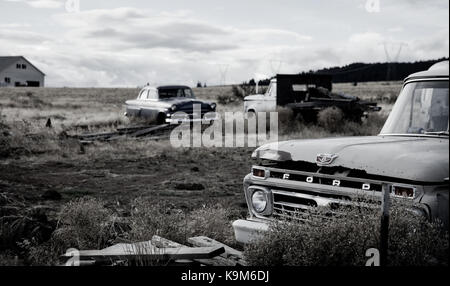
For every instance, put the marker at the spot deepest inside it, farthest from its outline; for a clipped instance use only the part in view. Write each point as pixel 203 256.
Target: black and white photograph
pixel 226 138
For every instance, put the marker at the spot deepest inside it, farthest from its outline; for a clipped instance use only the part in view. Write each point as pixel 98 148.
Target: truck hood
pixel 422 159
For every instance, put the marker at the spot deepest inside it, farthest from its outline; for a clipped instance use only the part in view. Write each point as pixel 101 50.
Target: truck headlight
pixel 213 106
pixel 173 107
pixel 259 172
pixel 404 191
pixel 259 201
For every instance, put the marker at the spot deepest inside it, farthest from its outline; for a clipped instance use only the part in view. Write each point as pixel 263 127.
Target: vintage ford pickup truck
pixel 411 154
pixel 164 104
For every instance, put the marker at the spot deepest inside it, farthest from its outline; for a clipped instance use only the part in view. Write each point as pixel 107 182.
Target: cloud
pixel 15 25
pixel 128 46
pixel 22 36
pixel 46 4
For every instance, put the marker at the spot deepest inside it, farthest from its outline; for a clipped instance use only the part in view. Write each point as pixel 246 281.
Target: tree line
pixel 363 72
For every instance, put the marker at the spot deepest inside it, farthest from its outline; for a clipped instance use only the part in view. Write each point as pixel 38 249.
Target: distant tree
pixel 199 84
pixel 204 85
pixel 252 82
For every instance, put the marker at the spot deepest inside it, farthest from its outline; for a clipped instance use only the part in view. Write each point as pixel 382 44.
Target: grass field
pixel 41 169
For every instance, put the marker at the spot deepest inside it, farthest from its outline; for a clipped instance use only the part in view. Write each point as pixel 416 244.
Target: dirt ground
pixel 42 168
pixel 187 179
pixel 123 171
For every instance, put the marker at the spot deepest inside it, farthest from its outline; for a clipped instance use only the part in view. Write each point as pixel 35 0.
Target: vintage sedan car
pixel 410 156
pixel 169 104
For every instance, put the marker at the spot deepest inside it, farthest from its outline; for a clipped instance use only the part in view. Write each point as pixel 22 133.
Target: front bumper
pixel 250 230
pixel 206 118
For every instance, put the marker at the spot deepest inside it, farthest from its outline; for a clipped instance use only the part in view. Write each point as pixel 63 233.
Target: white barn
pixel 18 71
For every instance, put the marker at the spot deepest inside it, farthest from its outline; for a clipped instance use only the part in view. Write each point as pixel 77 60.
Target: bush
pixel 148 219
pixel 82 224
pixel 331 118
pixel 21 138
pixel 85 223
pixel 239 91
pixel 213 222
pixel 225 99
pixel 343 240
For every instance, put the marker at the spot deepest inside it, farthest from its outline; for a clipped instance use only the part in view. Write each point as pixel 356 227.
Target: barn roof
pixel 10 60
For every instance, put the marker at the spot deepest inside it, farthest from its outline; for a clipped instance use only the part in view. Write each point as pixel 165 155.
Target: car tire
pixel 161 118
pixel 251 114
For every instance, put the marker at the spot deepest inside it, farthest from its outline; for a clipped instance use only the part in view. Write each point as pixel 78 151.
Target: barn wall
pixel 21 75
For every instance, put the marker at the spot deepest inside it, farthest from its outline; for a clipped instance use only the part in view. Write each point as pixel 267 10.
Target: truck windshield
pixel 421 108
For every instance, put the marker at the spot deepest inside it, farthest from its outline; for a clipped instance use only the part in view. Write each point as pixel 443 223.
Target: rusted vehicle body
pixel 165 104
pixel 411 154
pixel 307 95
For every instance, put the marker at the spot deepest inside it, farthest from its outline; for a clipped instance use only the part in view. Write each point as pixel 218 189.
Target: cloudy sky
pixel 129 43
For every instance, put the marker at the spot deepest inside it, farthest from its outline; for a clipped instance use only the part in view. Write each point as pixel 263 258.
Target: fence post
pixel 384 229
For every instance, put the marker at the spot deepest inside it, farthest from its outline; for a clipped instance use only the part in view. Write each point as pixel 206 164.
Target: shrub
pixel 225 99
pixel 343 240
pixel 148 219
pixel 239 91
pixel 213 222
pixel 331 118
pixel 85 223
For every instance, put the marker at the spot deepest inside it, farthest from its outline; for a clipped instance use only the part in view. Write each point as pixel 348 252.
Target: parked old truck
pixel 307 94
pixel 411 155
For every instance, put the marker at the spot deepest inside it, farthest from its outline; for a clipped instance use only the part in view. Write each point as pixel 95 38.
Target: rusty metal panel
pixel 285 92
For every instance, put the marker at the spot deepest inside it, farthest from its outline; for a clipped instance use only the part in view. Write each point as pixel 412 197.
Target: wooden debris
pixel 203 241
pixel 230 254
pixel 134 132
pixel 150 130
pixel 215 261
pixel 159 241
pixel 206 251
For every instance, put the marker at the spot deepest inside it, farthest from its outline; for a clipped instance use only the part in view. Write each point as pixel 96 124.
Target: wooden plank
pixel 203 241
pixel 147 131
pixel 131 129
pixel 95 135
pixel 159 241
pixel 215 261
pixel 133 253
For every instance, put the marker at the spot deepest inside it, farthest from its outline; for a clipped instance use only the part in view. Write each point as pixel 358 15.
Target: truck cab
pixel 266 102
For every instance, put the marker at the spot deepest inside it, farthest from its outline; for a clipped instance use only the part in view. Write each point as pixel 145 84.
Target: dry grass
pixel 342 240
pixel 35 159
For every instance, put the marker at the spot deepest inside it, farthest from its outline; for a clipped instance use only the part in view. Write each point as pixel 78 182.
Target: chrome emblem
pixel 366 186
pixel 325 159
pixel 286 177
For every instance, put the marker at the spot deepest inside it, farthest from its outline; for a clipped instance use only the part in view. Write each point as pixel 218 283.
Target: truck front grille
pixel 314 179
pixel 295 192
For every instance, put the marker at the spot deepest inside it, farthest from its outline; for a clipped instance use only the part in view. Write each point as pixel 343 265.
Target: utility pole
pixel 275 66
pixel 223 69
pixel 390 67
pixel 384 229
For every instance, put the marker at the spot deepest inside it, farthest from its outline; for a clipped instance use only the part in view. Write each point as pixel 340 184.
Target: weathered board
pixel 206 251
pixel 215 261
pixel 203 241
